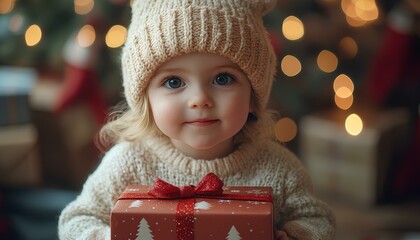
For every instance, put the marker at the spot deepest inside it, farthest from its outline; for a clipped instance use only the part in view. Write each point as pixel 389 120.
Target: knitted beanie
pixel 163 29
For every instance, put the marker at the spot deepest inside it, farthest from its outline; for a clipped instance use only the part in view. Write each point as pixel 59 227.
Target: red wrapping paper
pixel 213 218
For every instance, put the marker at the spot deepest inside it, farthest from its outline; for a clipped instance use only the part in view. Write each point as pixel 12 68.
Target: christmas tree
pixel 34 34
pixel 233 234
pixel 144 232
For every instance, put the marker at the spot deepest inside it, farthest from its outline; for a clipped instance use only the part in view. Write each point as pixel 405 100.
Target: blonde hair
pixel 127 124
pixel 134 124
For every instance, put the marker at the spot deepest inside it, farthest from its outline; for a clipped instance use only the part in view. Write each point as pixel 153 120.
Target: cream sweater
pixel 257 163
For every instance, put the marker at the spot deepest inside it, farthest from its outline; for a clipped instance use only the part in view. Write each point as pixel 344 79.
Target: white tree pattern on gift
pixel 136 203
pixel 233 234
pixel 202 205
pixel 144 232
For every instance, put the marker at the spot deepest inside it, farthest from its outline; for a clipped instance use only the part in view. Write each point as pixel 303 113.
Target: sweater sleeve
pixel 305 217
pixel 87 217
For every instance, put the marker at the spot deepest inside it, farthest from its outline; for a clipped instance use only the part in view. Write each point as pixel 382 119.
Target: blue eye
pixel 174 83
pixel 223 79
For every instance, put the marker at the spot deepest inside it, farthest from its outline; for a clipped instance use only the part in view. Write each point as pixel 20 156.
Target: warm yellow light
pixel 343 92
pixel 290 66
pixel 348 8
pixel 86 36
pixel 6 6
pixel 366 10
pixel 285 129
pixel 349 47
pixel 359 12
pixel 33 35
pixel 354 124
pixel 116 36
pixel 343 81
pixel 293 28
pixel 83 7
pixel 355 22
pixel 327 61
pixel 343 103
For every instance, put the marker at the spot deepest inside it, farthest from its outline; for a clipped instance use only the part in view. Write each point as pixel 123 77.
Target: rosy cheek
pixel 165 114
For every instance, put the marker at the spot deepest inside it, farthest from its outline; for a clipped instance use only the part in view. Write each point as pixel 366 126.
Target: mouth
pixel 203 122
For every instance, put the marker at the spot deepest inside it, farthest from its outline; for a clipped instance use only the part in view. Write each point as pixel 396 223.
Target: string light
pixel 293 28
pixel 359 12
pixel 290 66
pixel 348 47
pixel 83 7
pixel 115 37
pixel 355 22
pixel 327 61
pixel 6 6
pixel 343 86
pixel 285 129
pixel 354 124
pixel 343 103
pixel 33 35
pixel 86 36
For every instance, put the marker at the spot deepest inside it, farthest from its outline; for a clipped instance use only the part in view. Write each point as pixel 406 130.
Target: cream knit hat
pixel 163 29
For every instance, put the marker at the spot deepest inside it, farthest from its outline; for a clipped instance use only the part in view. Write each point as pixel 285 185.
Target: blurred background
pixel 347 92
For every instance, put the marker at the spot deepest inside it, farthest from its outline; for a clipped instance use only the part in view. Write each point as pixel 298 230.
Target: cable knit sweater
pixel 257 163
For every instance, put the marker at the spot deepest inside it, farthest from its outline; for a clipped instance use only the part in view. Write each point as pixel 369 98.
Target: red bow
pixel 210 185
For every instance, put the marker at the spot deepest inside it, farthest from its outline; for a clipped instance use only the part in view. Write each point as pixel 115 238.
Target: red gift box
pixel 237 213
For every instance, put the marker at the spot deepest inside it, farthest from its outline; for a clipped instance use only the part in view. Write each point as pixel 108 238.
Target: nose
pixel 200 98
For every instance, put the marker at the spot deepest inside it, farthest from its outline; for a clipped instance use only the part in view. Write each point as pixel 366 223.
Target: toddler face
pixel 200 101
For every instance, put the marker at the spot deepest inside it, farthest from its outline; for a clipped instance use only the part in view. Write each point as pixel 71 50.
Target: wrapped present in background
pixel 15 86
pixel 353 169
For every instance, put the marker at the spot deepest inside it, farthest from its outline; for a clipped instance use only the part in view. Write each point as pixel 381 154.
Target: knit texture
pixel 163 29
pixel 256 163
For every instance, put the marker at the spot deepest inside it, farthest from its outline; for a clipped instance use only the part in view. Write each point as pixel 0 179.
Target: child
pixel 197 77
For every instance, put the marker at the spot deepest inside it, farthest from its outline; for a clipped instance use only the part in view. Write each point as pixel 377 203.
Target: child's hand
pixel 281 235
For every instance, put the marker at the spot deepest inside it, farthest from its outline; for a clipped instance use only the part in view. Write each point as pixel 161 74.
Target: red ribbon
pixel 209 187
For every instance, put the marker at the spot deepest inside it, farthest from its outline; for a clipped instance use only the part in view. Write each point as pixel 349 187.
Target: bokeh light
pixel 355 22
pixel 286 129
pixel 293 28
pixel 115 37
pixel 343 103
pixel 83 7
pixel 290 66
pixel 6 6
pixel 33 35
pixel 343 86
pixel 327 61
pixel 348 47
pixel 354 124
pixel 86 36
pixel 359 12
